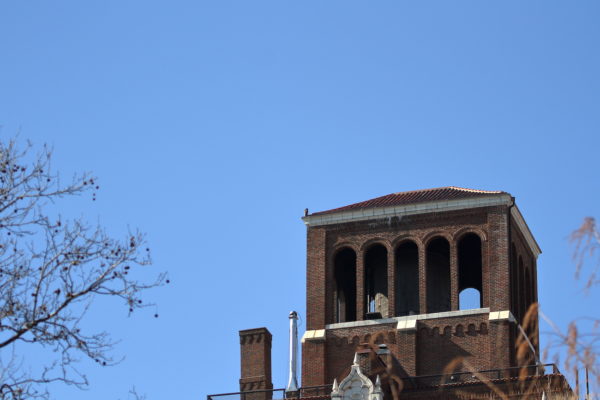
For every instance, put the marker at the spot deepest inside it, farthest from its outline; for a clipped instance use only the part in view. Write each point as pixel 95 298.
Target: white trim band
pixel 398 320
pixel 365 214
pixel 314 336
pixel 502 316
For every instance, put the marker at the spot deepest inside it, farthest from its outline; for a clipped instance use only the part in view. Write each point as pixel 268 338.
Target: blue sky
pixel 213 124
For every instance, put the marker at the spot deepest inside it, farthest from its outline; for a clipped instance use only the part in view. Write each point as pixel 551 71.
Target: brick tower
pixel 386 278
pixel 429 294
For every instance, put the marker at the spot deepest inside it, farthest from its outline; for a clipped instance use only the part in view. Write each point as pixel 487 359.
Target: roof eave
pixel 365 214
pixel 525 231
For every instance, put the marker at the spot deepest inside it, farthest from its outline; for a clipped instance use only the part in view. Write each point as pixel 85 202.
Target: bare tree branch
pixel 52 270
pixel 579 344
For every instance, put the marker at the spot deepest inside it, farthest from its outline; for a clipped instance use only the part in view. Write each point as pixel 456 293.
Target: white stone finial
pixel 336 387
pixel 377 393
pixel 355 362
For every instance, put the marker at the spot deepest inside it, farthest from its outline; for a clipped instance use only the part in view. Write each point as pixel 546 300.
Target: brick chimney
pixel 255 347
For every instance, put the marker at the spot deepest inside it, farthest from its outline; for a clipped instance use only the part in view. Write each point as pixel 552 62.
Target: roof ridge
pixel 476 190
pixel 450 187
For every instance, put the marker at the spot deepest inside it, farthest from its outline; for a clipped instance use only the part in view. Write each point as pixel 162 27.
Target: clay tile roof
pixel 413 197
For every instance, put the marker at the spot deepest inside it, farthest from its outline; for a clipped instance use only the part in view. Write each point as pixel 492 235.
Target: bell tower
pixel 421 283
pixel 429 294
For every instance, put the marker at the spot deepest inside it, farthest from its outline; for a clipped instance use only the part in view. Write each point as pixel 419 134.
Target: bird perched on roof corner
pixel 305 212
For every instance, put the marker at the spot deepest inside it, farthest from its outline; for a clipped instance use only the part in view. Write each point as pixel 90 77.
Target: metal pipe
pixel 538 362
pixel 292 385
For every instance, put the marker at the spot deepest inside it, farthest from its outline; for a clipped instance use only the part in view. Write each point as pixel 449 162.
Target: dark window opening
pixel 531 319
pixel 528 301
pixel 438 276
pixel 514 295
pixel 470 266
pixel 376 282
pixel 527 290
pixel 345 281
pixel 522 294
pixel 407 279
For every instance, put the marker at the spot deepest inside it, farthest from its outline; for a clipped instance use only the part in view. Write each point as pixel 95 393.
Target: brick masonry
pixel 428 350
pixel 255 348
pixel 431 344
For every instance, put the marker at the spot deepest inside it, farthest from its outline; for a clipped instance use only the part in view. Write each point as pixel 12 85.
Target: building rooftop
pixel 414 197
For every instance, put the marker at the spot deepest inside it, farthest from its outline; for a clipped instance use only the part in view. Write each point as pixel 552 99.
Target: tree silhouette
pixel 51 271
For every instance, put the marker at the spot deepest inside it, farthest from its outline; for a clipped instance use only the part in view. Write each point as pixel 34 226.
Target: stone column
pixel 391 286
pixel 422 280
pixel 454 278
pixel 360 286
pixel 485 274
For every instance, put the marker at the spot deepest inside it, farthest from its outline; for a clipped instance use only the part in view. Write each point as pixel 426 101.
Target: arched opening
pixel 438 275
pixel 469 299
pixel 522 294
pixel 345 285
pixel 376 282
pixel 514 300
pixel 407 279
pixel 528 297
pixel 470 266
pixel 527 289
pixel 531 318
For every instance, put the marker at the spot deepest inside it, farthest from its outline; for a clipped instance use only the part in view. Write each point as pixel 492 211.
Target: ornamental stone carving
pixel 357 386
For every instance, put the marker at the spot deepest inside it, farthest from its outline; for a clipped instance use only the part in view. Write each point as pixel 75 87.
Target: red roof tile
pixel 413 197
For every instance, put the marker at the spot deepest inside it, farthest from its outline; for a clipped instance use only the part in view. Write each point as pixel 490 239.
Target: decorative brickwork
pixel 436 240
pixel 255 346
pixel 384 281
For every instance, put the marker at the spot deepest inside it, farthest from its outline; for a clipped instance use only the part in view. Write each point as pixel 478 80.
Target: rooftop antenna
pixel 292 385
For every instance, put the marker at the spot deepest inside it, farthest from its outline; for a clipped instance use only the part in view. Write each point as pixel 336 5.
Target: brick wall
pixel 324 241
pixel 436 342
pixel 313 364
pixel 428 350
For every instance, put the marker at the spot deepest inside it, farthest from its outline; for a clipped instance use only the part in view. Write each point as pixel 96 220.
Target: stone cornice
pixel 367 214
pixel 409 209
